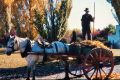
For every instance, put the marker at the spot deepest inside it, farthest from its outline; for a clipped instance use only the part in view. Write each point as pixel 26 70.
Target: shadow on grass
pixel 21 72
pixel 2 50
pixel 117 60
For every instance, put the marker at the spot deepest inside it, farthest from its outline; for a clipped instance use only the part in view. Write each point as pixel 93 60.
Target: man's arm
pixel 82 20
pixel 92 18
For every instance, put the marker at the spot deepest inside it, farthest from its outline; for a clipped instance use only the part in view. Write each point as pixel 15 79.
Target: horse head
pixel 15 43
pixel 11 45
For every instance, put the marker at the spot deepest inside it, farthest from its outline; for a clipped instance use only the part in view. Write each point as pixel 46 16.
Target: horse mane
pixel 27 49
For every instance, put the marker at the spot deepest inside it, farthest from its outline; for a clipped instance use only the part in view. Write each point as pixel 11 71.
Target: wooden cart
pixel 94 63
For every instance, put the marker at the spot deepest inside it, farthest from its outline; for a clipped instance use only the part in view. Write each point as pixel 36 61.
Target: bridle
pixel 12 47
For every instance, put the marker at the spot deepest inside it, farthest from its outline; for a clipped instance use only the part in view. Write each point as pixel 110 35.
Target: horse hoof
pixel 28 79
pixel 33 79
pixel 66 78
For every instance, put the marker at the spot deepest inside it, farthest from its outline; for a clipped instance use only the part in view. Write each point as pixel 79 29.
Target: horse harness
pixel 44 45
pixel 27 49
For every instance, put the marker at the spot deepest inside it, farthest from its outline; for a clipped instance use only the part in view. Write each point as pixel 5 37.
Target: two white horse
pixel 33 52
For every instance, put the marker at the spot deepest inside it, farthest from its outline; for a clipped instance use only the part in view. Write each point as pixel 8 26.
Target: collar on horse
pixel 27 49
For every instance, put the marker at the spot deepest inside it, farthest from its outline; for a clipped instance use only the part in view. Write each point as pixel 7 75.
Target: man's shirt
pixel 86 19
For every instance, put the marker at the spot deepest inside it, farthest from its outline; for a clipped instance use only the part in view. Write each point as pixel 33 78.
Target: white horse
pixel 31 51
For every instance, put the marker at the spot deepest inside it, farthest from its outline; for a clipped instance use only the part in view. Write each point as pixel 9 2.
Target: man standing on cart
pixel 85 21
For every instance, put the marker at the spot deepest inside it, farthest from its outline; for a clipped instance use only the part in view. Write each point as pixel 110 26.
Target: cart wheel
pixel 76 68
pixel 98 64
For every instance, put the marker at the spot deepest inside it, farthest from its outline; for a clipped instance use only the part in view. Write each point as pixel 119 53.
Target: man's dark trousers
pixel 86 31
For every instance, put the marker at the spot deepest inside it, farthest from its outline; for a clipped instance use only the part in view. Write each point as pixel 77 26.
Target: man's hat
pixel 86 10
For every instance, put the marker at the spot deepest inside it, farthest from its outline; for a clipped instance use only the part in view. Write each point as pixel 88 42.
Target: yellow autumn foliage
pixel 29 29
pixel 8 2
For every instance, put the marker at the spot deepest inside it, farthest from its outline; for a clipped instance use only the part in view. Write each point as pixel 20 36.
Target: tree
pixel 110 29
pixel 39 24
pixel 55 19
pixel 74 37
pixel 29 17
pixel 20 15
pixel 45 16
pixel 8 4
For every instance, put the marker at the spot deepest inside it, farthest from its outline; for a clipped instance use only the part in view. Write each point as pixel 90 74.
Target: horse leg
pixel 33 72
pixel 66 70
pixel 31 68
pixel 31 60
pixel 28 73
pixel 36 58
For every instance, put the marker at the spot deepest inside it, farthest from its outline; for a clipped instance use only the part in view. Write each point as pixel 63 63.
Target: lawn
pixel 11 61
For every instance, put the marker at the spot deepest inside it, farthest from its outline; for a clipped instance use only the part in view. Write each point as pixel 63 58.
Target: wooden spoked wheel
pixel 98 64
pixel 76 68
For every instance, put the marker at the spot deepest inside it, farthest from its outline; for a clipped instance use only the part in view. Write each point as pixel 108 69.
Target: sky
pixel 103 14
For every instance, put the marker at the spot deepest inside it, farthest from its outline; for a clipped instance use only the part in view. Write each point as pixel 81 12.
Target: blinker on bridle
pixel 12 47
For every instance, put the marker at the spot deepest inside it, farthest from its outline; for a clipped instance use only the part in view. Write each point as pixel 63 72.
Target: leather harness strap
pixel 66 51
pixel 44 55
pixel 56 47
